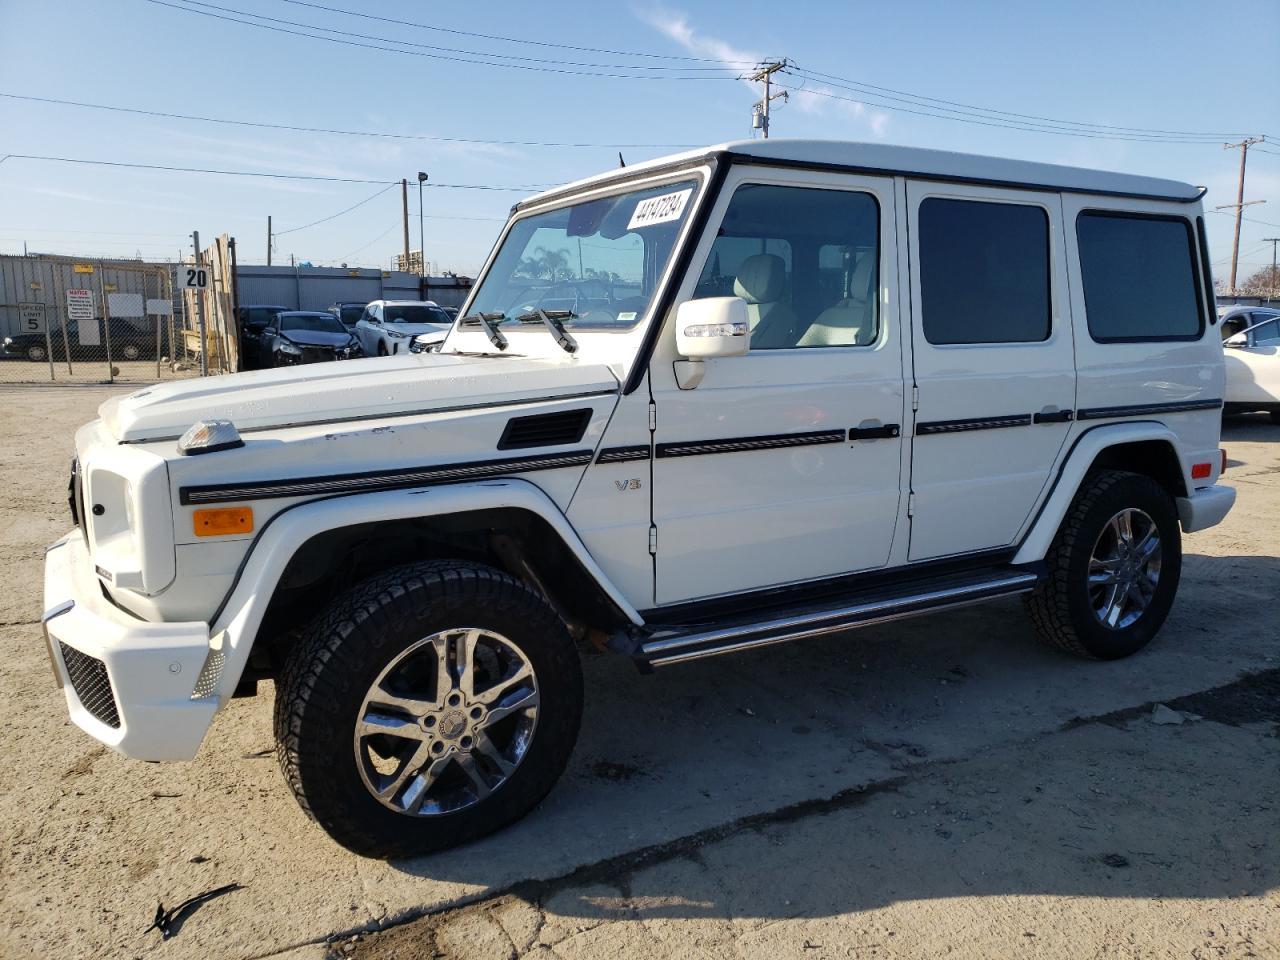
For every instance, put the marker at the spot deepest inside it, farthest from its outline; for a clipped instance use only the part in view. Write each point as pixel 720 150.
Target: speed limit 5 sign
pixel 31 317
pixel 194 278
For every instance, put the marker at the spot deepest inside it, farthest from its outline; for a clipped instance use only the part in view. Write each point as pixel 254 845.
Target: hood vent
pixel 545 429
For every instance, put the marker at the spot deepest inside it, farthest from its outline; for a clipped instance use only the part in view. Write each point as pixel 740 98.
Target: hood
pixel 317 338
pixel 328 392
pixel 413 329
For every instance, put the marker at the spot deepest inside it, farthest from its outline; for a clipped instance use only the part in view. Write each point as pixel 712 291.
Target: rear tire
pixel 131 352
pixel 370 662
pixel 1105 597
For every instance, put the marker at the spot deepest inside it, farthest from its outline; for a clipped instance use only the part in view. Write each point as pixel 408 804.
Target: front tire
pixel 37 353
pixel 431 705
pixel 382 349
pixel 1114 568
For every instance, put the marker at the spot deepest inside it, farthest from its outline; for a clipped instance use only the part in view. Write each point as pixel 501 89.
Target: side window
pixel 1268 334
pixel 1139 277
pixel 806 260
pixel 984 272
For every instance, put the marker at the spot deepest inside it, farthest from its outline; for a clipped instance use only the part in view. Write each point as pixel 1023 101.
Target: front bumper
pixel 1205 507
pixel 129 683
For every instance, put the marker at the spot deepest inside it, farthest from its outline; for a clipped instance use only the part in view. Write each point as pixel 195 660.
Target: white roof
pixel 885 158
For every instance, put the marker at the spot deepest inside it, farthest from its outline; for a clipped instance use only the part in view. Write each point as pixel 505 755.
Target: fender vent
pixel 89 679
pixel 545 429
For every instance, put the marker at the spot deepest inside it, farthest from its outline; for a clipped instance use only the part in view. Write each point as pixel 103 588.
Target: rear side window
pixel 984 272
pixel 1139 277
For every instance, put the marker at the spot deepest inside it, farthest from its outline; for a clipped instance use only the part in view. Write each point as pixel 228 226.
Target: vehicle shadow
pixel 945 756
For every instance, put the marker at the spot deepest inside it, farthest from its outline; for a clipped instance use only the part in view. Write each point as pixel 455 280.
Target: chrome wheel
pixel 1124 568
pixel 36 353
pixel 447 722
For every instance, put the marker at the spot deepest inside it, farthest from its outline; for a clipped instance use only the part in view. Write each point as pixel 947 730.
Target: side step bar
pixel 669 648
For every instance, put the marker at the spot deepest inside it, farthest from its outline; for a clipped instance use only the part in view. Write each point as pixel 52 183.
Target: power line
pixel 448 56
pixel 140 111
pixel 281 233
pixel 1265 223
pixel 857 86
pixel 993 122
pixel 536 43
pixel 270 176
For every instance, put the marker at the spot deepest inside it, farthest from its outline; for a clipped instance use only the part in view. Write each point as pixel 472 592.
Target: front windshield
pixel 597 262
pixel 415 313
pixel 318 322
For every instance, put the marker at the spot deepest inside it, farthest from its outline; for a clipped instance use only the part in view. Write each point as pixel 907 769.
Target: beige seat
pixel 849 322
pixel 761 281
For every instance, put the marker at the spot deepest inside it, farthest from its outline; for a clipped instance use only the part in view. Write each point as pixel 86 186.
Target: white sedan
pixel 1251 338
pixel 388 326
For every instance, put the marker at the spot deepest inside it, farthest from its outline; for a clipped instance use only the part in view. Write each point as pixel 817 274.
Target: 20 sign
pixel 196 278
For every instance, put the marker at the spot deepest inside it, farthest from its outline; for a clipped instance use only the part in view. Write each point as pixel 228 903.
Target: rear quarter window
pixel 1139 276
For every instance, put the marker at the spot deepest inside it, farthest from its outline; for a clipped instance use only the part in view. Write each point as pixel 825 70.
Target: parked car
pixel 130 340
pixel 1251 338
pixel 908 403
pixel 349 311
pixel 252 320
pixel 428 342
pixel 299 336
pixel 388 326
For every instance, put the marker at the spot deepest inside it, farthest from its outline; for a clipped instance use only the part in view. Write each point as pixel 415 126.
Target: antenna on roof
pixel 621 162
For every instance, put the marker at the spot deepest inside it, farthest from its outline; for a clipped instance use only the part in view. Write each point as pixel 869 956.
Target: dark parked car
pixel 252 320
pixel 129 341
pixel 349 311
pixel 299 336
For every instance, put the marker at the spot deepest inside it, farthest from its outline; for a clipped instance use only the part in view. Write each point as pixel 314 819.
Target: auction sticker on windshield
pixel 663 209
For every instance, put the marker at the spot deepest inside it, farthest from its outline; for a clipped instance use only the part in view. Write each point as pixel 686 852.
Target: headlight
pixel 8 341
pixel 395 334
pixel 290 349
pixel 208 436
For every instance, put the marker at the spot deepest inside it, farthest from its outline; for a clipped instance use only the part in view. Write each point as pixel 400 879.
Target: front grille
pixel 316 354
pixel 92 685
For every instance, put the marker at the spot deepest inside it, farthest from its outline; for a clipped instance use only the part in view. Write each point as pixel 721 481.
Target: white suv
pixel 387 327
pixel 789 389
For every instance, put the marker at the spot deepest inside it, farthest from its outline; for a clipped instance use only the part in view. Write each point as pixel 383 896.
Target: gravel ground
pixel 941 786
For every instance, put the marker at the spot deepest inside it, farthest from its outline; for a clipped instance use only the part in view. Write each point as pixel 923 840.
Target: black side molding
pixel 623 454
pixel 1055 416
pixel 974 423
pixel 694 448
pixel 1145 409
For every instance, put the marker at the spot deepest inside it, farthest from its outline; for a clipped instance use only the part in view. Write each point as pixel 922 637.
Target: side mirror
pixel 268 331
pixel 1236 340
pixel 713 327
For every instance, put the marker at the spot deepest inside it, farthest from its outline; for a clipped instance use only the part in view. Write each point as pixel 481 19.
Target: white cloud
pixel 809 99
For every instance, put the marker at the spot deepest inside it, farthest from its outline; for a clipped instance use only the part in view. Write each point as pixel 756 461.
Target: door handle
pixel 875 431
pixel 1050 415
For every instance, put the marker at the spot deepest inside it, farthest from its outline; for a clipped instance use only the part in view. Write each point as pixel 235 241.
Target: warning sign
pixel 79 304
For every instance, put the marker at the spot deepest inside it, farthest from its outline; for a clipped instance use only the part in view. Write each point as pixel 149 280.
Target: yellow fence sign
pixel 83 268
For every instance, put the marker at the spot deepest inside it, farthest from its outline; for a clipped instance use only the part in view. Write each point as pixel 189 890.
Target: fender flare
pixel 236 624
pixel 1087 446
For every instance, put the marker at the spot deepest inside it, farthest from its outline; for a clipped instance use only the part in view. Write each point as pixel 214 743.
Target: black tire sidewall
pixel 327 761
pixel 1145 494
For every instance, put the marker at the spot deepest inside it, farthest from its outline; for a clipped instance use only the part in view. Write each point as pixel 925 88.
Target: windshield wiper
pixel 551 320
pixel 486 321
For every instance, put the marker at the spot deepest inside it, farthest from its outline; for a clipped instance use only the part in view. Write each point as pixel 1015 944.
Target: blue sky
pixel 1157 65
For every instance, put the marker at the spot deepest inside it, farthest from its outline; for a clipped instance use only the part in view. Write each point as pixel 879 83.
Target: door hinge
pixel 915 398
pixel 911 504
pixel 653 540
pixel 653 415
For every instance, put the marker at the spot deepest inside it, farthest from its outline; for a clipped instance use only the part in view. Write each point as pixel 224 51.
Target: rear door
pixel 993 359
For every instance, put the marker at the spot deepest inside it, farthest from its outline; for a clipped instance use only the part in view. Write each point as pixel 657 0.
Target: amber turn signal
pixel 223 521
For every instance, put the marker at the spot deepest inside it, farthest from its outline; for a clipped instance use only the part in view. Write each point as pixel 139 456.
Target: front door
pixel 993 360
pixel 784 465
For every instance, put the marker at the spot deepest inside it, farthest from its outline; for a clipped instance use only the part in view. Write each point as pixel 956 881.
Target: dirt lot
pixel 938 787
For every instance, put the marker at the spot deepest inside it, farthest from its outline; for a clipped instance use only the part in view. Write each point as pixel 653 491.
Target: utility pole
pixel 422 241
pixel 199 295
pixel 1275 279
pixel 1243 146
pixel 764 74
pixel 404 203
pixel 268 239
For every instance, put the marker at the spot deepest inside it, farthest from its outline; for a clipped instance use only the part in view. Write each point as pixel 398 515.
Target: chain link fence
pixel 64 319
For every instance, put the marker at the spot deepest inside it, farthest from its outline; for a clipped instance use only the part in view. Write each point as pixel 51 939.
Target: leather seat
pixel 761 281
pixel 850 322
